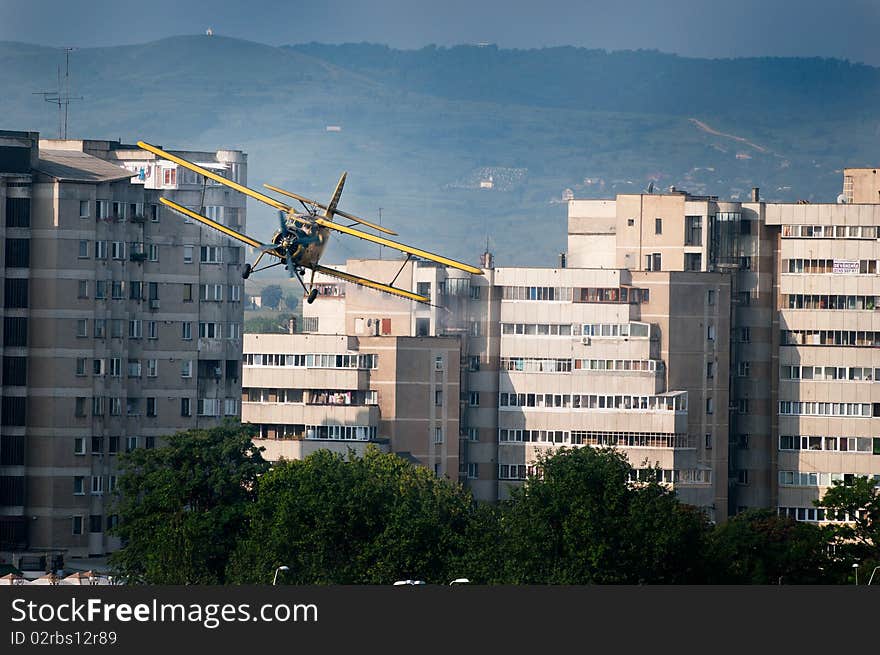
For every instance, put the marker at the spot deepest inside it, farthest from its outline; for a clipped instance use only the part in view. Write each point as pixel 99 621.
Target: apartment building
pixel 304 392
pixel 725 343
pixel 121 324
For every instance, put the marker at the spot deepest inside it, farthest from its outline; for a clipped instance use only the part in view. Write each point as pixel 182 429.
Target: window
pixel 82 290
pixel 438 435
pixel 742 369
pixel 100 289
pixel 233 331
pixel 710 297
pixel 653 262
pixel 149 442
pixel 186 330
pixel 80 366
pixel 135 329
pixel 187 293
pixel 153 252
pixel 79 485
pixel 710 333
pixel 423 327
pixel 473 434
pixel 97 485
pixel 116 406
pixel 235 292
pixel 438 398
pixel 710 406
pixel 18 253
pixel 708 441
pixel 185 409
pixel 745 263
pixel 230 407
pixel 474 399
pixel 473 471
pixel 186 368
pixel 742 476
pixel 83 249
pixel 152 330
pixel 131 444
pixel 211 292
pixel 743 405
pixel 154 213
pixel 77 525
pixel 693 261
pixel 438 363
pixel 113 445
pixel 97 445
pixel 169 176
pixel 658 226
pixel 117 289
pixel 423 289
pixel 693 233
pixel 83 208
pixel 102 209
pixel 79 446
pixel 117 250
pixel 136 290
pixel 187 254
pixel 80 406
pixel 474 363
pixel 209 330
pixel 152 368
pixel 134 368
pixel 153 290
pixel 710 370
pixel 96 523
pixel 745 335
pixel 100 328
pixel 211 254
pixel 17 296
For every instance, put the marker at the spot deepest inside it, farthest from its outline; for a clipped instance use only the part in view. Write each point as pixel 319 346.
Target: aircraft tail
pixel 331 208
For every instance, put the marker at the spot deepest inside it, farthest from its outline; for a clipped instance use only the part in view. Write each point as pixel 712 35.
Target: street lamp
pixel 459 581
pixel 280 568
pixel 871 579
pixel 856 568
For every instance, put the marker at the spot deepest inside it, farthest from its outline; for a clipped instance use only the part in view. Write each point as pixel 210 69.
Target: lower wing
pixel 372 284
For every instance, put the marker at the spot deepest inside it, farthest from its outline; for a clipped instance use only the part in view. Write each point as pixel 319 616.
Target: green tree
pixel 361 520
pixel 856 540
pixel 278 324
pixel 582 522
pixel 291 301
pixel 182 506
pixel 760 547
pixel 271 296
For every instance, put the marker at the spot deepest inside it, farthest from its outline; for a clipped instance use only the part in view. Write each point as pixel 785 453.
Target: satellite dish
pixel 841 199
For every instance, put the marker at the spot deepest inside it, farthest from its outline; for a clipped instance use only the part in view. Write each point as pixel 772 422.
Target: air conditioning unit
pixel 585 341
pixel 154 304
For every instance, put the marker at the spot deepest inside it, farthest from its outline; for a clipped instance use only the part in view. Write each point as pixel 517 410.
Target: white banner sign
pixel 846 266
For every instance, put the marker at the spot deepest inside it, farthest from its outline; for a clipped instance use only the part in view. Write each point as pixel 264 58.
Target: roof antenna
pixel 62 96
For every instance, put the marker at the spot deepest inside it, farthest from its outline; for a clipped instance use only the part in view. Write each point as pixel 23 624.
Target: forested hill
pixel 419 130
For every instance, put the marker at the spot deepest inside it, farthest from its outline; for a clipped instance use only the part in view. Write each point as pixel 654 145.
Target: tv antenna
pixel 62 96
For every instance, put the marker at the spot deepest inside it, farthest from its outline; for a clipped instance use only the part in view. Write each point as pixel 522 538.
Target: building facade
pixel 121 324
pixel 725 343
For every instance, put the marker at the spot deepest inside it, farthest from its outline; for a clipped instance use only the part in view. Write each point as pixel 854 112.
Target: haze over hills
pixel 420 129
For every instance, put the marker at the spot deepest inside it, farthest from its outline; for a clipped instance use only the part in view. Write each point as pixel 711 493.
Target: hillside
pixel 419 130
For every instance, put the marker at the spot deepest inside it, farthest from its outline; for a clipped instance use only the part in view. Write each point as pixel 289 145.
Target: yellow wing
pixel 402 247
pixel 308 201
pixel 217 178
pixel 372 284
pixel 217 226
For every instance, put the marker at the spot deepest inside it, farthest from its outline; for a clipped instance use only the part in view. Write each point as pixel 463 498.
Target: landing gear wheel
pixel 312 295
pixel 246 273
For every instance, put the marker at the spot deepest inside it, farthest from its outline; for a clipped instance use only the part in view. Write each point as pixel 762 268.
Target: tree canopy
pixel 182 506
pixel 357 520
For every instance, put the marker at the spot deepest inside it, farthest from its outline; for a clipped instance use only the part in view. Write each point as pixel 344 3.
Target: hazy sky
pixel 704 28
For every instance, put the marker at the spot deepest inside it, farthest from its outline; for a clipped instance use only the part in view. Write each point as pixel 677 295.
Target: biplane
pixel 303 235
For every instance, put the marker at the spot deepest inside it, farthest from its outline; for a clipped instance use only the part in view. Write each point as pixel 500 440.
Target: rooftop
pixel 75 166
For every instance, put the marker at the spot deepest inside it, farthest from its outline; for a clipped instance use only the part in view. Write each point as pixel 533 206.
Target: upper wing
pixel 308 201
pixel 217 226
pixel 372 284
pixel 402 247
pixel 213 176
